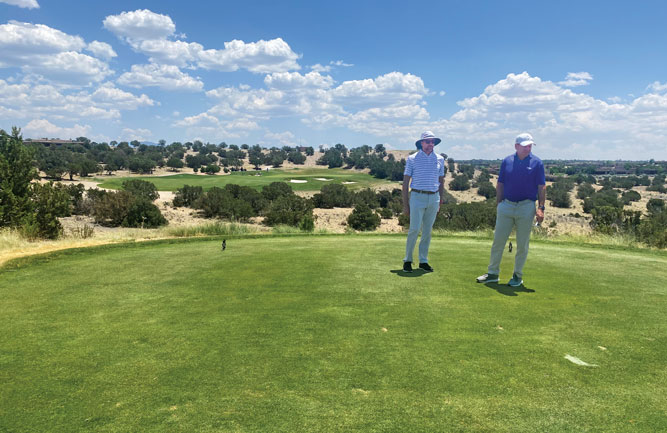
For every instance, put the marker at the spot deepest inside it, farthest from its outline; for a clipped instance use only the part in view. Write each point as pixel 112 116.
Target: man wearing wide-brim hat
pixel 520 183
pixel 423 187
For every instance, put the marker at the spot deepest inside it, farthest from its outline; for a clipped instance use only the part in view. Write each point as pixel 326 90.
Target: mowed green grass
pixel 312 176
pixel 324 334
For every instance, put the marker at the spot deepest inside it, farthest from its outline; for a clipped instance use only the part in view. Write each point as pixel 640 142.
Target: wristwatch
pixel 541 208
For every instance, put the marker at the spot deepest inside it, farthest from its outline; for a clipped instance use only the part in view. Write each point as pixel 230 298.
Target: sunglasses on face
pixel 428 141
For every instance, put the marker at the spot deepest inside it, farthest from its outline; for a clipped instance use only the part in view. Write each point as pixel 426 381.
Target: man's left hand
pixel 539 216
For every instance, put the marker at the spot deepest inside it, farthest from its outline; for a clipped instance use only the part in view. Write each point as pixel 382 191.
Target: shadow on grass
pixel 506 290
pixel 415 273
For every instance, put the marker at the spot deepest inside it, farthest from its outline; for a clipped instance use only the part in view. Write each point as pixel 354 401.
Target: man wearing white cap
pixel 520 182
pixel 425 175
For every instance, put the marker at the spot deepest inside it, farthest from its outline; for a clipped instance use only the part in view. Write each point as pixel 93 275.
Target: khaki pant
pixel 423 210
pixel 512 214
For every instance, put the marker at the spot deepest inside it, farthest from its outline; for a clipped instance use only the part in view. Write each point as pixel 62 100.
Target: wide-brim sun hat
pixel 524 139
pixel 425 136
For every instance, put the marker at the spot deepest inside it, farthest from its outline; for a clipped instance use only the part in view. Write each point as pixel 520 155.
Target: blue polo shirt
pixel 425 170
pixel 521 177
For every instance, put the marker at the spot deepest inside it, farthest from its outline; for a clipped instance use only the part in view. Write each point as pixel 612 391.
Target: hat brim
pixel 526 143
pixel 418 143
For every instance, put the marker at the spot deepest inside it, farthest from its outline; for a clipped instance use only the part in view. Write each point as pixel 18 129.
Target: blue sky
pixel 587 79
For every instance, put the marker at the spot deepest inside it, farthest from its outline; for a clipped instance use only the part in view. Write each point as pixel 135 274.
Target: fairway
pixel 324 334
pixel 308 179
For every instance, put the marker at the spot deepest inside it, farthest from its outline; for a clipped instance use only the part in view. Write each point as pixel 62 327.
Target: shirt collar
pixel 425 154
pixel 526 159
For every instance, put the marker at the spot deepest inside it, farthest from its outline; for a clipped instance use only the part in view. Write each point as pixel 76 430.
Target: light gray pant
pixel 423 210
pixel 512 214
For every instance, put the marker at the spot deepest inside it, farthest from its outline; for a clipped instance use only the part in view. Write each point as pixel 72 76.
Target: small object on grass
pixel 224 244
pixel 510 248
pixel 602 348
pixel 575 360
pixel 384 329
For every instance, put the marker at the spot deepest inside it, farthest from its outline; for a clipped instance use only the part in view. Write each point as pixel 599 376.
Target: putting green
pixel 324 333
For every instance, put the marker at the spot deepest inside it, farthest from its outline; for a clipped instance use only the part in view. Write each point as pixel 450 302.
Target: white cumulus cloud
pixel 140 25
pixel 139 134
pixel 101 49
pixel 167 77
pixel 55 55
pixel 29 4
pixel 42 128
pixel 152 34
pixel 574 79
pixel 261 57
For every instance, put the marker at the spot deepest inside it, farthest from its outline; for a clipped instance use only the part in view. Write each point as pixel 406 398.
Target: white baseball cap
pixel 524 139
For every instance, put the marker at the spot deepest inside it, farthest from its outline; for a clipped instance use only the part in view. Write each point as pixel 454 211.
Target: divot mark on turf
pixel 500 328
pixel 575 360
pixel 602 348
pixel 384 329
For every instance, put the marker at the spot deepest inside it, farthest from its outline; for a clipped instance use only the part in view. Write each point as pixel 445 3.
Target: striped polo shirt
pixel 425 170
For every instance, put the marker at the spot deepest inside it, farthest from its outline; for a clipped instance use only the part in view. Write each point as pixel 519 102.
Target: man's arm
pixel 500 192
pixel 406 194
pixel 541 199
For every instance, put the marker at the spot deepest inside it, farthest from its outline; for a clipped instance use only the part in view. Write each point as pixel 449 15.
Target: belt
pixel 521 201
pixel 424 192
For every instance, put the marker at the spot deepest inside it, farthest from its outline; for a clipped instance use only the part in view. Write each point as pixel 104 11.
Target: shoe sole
pixel 515 285
pixel 487 281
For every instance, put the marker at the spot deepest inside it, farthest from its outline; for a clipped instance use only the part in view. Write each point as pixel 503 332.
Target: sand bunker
pixel 298 181
pixel 347 183
pixel 323 179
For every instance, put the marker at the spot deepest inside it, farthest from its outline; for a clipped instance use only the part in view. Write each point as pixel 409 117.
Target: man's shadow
pixel 507 290
pixel 415 273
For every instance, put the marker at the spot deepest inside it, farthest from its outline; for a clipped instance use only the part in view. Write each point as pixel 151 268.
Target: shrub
pixel 187 196
pixel 141 164
pixel 276 189
pixel 559 197
pixel 16 173
pixel 334 195
pixel 386 213
pixel 175 163
pixel 363 218
pixel 604 197
pixel 211 169
pixel 653 229
pixel 296 157
pixel 220 203
pixel 248 195
pixel 307 223
pixel 291 210
pixel 368 197
pixel 585 190
pixel 467 216
pixel 111 208
pixel 629 196
pixel 486 189
pixel 141 189
pixel 655 206
pixel 142 213
pixel 49 203
pixel 460 183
